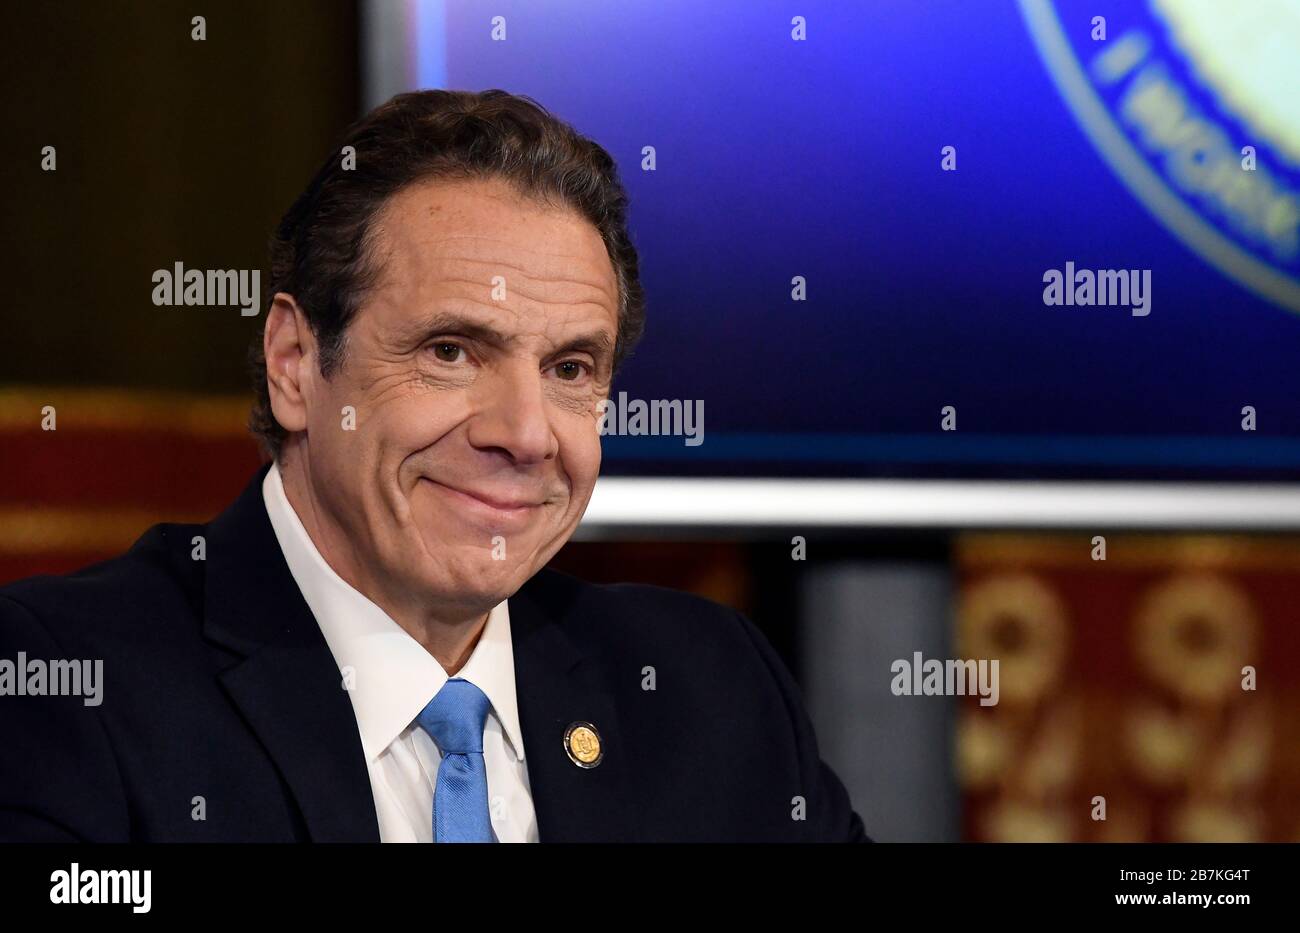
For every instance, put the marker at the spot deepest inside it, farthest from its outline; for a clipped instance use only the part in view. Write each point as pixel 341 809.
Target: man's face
pixel 475 367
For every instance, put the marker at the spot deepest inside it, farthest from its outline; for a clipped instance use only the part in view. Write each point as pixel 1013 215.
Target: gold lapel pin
pixel 582 743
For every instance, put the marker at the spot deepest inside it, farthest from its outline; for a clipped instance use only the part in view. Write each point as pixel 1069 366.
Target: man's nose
pixel 514 416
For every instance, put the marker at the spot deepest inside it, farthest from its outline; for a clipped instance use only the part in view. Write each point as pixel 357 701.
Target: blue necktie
pixel 454 719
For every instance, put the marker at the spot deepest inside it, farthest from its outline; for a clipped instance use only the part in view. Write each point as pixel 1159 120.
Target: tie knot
pixel 454 718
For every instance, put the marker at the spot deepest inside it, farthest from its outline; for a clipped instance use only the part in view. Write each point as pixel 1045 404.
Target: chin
pixel 478 581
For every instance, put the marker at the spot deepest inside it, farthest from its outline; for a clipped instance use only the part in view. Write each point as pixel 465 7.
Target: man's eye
pixel 569 370
pixel 447 352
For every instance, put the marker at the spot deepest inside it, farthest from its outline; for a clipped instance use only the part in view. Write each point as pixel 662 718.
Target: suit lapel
pixel 288 686
pixel 557 684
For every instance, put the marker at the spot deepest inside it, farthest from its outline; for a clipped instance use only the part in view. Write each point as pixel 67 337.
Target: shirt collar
pixel 390 677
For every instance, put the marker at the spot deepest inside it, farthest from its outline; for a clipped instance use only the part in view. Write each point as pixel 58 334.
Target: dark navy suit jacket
pixel 217 683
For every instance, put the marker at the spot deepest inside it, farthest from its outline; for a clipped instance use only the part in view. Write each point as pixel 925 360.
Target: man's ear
pixel 290 350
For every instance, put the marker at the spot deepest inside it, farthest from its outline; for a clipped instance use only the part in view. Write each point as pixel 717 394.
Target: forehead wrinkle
pixel 399 227
pixel 428 262
pixel 520 292
pixel 442 237
pixel 522 280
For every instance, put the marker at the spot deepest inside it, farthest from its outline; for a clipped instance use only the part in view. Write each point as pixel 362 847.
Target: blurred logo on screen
pixel 1195 104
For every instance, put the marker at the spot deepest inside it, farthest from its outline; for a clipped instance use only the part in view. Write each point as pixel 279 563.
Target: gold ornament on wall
pixel 1193 634
pixel 1020 621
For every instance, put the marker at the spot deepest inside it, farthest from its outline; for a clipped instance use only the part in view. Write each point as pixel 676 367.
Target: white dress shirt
pixel 390 678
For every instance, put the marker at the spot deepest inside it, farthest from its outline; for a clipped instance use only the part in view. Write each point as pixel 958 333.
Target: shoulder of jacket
pixel 164 564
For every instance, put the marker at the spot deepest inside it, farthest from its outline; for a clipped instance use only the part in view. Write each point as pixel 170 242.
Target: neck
pixel 447 631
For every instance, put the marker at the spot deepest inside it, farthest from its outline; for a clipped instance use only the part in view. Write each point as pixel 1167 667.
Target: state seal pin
pixel 582 743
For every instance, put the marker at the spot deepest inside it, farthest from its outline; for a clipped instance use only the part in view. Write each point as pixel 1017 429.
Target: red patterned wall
pixel 1123 679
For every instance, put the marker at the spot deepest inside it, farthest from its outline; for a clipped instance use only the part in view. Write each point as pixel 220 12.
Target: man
pixel 365 646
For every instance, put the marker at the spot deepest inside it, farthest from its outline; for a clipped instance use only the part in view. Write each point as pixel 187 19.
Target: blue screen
pixel 816 148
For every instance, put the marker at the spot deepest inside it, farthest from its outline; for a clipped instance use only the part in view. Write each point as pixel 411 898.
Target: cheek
pixel 419 421
pixel 399 425
pixel 580 449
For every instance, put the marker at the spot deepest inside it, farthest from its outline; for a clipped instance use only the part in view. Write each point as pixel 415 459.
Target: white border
pixel 634 503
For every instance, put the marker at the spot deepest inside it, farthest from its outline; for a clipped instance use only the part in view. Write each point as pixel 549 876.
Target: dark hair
pixel 319 251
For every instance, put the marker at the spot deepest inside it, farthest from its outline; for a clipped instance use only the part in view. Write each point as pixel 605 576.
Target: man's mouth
pixel 505 503
pixel 498 506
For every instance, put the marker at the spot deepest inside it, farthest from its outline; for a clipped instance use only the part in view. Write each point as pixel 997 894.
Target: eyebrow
pixel 597 343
